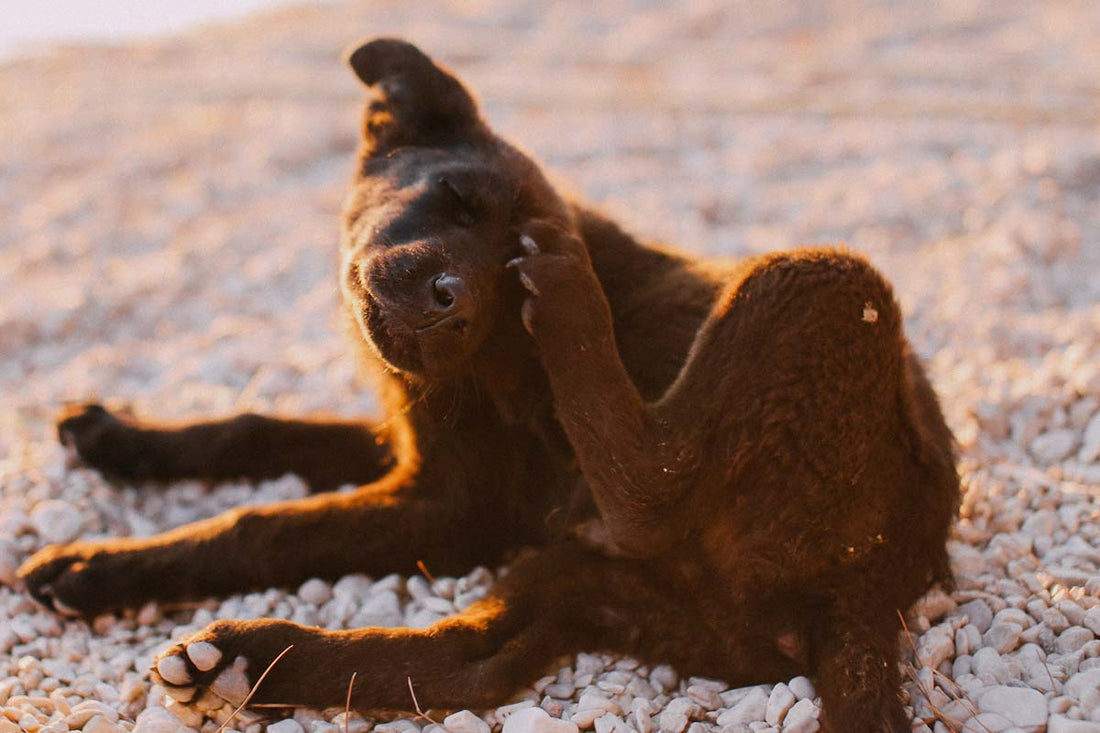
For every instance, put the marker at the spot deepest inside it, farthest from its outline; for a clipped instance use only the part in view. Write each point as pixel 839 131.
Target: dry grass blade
pixel 960 697
pixel 965 702
pixel 347 703
pixel 416 705
pixel 252 692
pixel 940 716
pixel 424 571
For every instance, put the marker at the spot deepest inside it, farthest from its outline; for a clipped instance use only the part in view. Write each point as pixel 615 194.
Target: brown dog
pixel 743 472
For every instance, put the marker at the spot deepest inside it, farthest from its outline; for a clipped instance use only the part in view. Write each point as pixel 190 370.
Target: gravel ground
pixel 169 239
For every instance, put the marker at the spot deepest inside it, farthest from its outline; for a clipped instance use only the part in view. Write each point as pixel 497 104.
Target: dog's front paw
pixel 98 438
pixel 75 579
pixel 565 302
pixel 215 669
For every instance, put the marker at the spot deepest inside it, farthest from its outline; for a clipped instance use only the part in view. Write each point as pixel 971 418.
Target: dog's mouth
pixel 415 344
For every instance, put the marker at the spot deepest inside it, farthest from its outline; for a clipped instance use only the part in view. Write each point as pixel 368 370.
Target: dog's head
pixel 434 216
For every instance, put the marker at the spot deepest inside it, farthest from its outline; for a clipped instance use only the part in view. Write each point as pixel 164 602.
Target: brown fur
pixel 743 472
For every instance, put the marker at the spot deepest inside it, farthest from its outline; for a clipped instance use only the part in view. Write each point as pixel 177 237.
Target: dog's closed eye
pixel 465 209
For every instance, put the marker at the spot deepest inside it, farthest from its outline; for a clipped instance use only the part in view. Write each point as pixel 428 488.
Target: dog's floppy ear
pixel 417 102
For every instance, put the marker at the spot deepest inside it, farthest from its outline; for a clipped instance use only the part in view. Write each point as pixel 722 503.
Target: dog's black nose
pixel 449 292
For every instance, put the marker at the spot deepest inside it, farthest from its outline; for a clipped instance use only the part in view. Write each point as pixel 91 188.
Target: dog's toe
pixel 174 670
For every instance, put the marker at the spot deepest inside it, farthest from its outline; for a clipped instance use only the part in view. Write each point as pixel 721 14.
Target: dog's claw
pixel 529 245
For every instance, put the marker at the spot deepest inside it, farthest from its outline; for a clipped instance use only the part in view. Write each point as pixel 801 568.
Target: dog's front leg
pixel 325 452
pixel 378 529
pixel 638 468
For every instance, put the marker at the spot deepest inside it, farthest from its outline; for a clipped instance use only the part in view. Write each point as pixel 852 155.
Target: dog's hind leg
pixel 559 601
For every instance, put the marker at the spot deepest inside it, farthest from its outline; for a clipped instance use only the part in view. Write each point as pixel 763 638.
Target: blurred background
pixel 32 27
pixel 170 201
pixel 171 177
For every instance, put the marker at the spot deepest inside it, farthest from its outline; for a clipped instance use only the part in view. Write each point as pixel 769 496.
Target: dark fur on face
pixel 740 470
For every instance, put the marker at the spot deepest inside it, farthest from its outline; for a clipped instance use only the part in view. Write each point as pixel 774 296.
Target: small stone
pixel 987 663
pixel 607 723
pixel 1090 441
pixel 706 697
pixel 1003 637
pixel 315 591
pixel 204 655
pixel 1092 620
pixel 173 669
pixel 664 677
pixel 1022 706
pixel 465 721
pixel 186 714
pixel 98 725
pixel 1083 682
pixel 290 725
pixel 801 718
pixel 979 613
pixel 1073 612
pixel 1062 724
pixel 157 720
pixel 935 646
pixel 684 705
pixel 1073 639
pixel 1054 445
pixel 351 723
pixel 56 521
pixel 505 710
pixel 934 605
pixel 751 708
pixel 672 721
pixel 553 707
pixel 87 709
pixel 536 720
pixel 593 700
pixel 779 702
pixel 642 709
pixel 802 688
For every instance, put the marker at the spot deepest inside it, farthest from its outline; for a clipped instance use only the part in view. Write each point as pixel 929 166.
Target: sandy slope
pixel 169 233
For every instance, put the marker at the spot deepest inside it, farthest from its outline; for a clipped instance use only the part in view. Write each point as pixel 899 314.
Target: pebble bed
pixel 169 234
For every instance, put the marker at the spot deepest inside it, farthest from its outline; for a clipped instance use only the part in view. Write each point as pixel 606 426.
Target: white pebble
pixel 56 521
pixel 937 644
pixel 802 688
pixel 801 718
pixel 536 720
pixel 751 708
pixel 315 591
pixel 465 721
pixel 1003 637
pixel 1024 707
pixel 289 725
pixel 779 702
pixel 157 720
pixel 1090 441
pixel 1083 682
pixel 1062 724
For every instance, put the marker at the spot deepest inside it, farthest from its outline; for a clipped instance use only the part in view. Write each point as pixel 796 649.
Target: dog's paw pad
pixel 204 655
pixel 180 694
pixel 174 670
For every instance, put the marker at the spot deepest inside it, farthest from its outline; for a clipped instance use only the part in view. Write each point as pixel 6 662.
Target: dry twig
pixel 252 692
